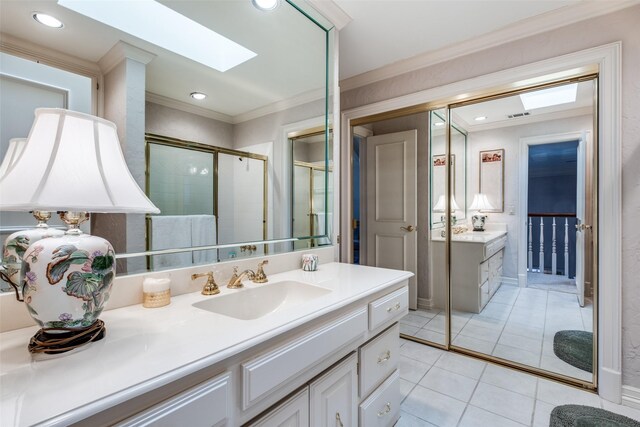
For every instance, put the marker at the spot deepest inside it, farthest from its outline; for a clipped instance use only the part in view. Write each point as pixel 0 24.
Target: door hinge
pixel 338 239
pixel 355 223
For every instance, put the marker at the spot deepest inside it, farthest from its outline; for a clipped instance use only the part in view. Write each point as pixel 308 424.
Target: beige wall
pixel 620 26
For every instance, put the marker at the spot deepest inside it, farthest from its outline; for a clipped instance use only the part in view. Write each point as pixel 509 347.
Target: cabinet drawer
pixel 389 308
pixel 273 369
pixel 204 405
pixel 484 294
pixel 293 412
pixel 382 408
pixel 494 246
pixel 378 358
pixel 484 272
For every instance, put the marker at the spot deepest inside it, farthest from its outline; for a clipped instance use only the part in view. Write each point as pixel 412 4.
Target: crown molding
pixel 330 10
pixel 285 104
pixel 24 49
pixel 186 107
pixel 535 25
pixel 121 51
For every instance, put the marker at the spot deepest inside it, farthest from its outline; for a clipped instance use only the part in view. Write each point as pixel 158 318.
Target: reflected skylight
pixel 166 28
pixel 549 97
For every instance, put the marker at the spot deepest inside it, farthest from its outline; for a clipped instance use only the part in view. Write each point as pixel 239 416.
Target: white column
pixel 566 247
pixel 554 256
pixel 530 248
pixel 541 253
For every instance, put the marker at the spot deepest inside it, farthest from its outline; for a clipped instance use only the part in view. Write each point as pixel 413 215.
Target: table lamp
pixel 440 207
pixel 72 163
pixel 17 242
pixel 480 203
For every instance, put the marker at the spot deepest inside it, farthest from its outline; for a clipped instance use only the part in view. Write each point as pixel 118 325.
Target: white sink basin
pixel 248 304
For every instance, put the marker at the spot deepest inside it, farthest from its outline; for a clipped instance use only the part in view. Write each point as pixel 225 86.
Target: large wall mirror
pixel 221 169
pixel 514 282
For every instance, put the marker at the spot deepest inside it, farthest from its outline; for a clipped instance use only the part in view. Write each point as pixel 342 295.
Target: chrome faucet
pixel 235 281
pixel 210 287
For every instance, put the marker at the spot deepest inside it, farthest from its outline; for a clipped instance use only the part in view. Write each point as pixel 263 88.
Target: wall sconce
pixel 72 163
pixel 480 203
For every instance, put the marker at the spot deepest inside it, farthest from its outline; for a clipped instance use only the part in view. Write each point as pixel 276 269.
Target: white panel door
pixel 391 204
pixel 580 218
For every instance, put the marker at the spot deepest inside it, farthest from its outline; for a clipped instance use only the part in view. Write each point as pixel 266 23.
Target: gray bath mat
pixel 587 416
pixel 575 348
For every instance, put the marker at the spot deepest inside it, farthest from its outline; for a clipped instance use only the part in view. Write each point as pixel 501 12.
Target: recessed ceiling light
pixel 549 97
pixel 187 38
pixel 198 95
pixel 480 118
pixel 439 124
pixel 47 20
pixel 265 4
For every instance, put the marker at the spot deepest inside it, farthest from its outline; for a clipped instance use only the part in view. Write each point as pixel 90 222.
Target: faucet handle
pixel 210 287
pixel 260 276
pixel 233 279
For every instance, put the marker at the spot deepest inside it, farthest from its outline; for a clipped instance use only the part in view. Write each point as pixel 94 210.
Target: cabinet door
pixel 294 412
pixel 333 396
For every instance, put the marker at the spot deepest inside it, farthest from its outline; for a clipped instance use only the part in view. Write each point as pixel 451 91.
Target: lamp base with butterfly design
pixel 67 279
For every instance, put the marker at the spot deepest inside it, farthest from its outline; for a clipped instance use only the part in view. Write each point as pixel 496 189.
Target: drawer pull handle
pixel 387 409
pixel 338 420
pixel 394 307
pixel 385 357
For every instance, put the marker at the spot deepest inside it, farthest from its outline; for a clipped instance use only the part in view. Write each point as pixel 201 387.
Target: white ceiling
pixel 496 111
pixel 289 64
pixel 386 31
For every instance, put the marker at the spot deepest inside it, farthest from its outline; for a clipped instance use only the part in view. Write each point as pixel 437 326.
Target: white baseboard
pixel 631 396
pixel 509 281
pixel 426 303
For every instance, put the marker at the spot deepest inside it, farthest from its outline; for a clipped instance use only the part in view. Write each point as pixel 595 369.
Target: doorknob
pixel 582 227
pixel 409 228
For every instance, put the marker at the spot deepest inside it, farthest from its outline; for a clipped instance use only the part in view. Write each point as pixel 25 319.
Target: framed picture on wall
pixel 439 176
pixel 492 178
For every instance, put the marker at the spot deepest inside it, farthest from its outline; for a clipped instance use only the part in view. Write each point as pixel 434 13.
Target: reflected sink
pixel 253 303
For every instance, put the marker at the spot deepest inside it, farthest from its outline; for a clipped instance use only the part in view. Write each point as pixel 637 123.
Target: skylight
pixel 166 28
pixel 549 97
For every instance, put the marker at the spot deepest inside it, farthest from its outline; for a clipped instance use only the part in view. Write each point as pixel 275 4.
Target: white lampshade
pixel 480 203
pixel 16 146
pixel 72 162
pixel 440 206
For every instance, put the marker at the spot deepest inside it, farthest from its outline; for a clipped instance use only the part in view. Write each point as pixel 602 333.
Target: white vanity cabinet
pixel 326 362
pixel 476 270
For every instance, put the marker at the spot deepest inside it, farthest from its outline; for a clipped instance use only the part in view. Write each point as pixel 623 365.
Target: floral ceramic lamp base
pixel 478 222
pixel 67 281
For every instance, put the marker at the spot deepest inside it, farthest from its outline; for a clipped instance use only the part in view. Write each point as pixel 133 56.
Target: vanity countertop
pixel 147 348
pixel 472 236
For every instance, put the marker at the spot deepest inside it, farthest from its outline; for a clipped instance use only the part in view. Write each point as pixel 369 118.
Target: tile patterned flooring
pixel 446 389
pixel 517 324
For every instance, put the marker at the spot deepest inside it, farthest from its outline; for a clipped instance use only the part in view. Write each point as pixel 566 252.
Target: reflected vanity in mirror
pixel 220 167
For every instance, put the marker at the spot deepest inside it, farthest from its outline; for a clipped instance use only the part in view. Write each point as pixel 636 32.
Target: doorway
pixel 385 225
